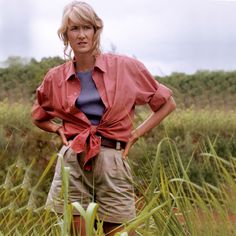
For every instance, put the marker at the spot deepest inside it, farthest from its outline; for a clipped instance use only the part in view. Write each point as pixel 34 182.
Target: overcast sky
pixel 166 35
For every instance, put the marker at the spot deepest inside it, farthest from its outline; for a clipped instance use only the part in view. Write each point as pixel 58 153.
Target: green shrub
pixel 192 131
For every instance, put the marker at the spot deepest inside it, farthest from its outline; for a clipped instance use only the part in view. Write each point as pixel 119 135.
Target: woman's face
pixel 80 38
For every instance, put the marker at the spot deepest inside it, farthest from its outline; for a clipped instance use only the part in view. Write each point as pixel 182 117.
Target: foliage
pixel 184 182
pixel 20 138
pixel 19 80
pixel 204 89
pixel 215 89
pixel 167 204
pixel 192 130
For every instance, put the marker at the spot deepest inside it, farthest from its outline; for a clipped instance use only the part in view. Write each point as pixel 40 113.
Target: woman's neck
pixel 84 63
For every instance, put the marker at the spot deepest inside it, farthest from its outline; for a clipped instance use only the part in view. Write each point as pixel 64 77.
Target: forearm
pixel 48 126
pixel 154 119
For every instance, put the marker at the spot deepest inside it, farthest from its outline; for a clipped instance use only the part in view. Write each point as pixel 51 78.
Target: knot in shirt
pixel 93 129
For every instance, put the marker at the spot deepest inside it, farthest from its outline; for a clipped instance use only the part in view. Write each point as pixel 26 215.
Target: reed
pixel 168 203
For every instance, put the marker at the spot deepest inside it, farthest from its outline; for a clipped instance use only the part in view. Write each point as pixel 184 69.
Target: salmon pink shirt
pixel 122 83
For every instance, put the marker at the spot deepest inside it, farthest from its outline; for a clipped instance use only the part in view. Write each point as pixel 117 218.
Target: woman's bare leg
pixel 78 226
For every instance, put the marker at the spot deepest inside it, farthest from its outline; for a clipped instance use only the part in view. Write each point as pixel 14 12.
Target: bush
pixel 192 132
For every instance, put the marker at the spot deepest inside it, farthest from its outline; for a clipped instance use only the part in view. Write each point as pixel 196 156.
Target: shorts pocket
pixel 69 158
pixel 123 166
pixel 63 150
pixel 127 168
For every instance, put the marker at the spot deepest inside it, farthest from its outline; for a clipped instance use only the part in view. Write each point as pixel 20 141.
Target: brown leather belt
pixel 111 143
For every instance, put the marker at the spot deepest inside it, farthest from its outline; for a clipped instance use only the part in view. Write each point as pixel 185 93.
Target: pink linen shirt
pixel 122 83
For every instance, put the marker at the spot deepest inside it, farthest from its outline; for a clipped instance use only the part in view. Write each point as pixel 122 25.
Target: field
pixel 184 170
pixel 184 176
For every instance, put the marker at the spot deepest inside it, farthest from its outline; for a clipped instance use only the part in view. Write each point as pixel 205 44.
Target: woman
pixel 94 94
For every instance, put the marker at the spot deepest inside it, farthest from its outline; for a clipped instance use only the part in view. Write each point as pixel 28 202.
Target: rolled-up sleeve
pixel 160 97
pixel 149 91
pixel 41 108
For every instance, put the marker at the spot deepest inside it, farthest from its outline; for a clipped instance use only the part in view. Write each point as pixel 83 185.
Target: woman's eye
pixel 84 27
pixel 73 28
pixel 87 27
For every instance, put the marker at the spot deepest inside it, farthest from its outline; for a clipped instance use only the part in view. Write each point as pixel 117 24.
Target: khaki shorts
pixel 109 184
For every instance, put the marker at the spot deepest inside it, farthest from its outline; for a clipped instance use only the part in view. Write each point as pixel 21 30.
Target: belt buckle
pixel 118 145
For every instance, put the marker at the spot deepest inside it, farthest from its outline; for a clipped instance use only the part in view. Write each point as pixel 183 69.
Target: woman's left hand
pixel 129 144
pixel 153 120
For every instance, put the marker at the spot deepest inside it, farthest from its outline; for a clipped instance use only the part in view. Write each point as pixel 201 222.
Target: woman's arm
pixel 152 121
pixel 52 127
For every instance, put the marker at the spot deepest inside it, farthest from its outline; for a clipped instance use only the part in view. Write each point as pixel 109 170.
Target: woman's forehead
pixel 78 22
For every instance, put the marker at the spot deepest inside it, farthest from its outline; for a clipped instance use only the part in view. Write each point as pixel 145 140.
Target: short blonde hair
pixel 80 13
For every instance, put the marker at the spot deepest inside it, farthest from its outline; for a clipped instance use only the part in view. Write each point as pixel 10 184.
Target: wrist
pixel 57 129
pixel 135 135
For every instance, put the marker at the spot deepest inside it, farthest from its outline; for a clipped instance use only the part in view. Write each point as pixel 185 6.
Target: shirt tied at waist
pixel 89 142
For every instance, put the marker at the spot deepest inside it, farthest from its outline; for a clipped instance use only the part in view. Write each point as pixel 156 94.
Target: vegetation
pixel 168 203
pixel 191 130
pixel 184 170
pixel 204 89
pixel 19 79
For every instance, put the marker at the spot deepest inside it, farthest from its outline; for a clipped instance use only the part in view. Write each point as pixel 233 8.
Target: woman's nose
pixel 81 33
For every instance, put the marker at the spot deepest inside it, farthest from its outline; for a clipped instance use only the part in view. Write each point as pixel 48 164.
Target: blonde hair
pixel 80 13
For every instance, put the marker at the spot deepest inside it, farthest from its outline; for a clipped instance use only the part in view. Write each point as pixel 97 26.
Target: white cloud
pixel 167 35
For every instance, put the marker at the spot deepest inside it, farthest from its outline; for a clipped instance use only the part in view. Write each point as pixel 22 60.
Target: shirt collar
pixel 99 63
pixel 70 69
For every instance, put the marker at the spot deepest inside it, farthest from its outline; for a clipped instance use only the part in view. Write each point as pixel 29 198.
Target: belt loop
pixel 118 145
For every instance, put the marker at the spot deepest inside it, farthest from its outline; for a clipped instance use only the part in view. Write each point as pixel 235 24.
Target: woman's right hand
pixel 60 132
pixel 50 126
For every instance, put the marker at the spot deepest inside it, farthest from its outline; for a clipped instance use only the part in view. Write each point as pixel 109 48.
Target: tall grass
pixel 184 183
pixel 191 130
pixel 168 203
pixel 188 128
pixel 183 207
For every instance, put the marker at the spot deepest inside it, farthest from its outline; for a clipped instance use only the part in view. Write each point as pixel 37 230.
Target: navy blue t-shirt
pixel 89 100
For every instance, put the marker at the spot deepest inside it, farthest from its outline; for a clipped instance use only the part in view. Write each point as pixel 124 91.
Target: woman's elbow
pixel 172 104
pixel 35 122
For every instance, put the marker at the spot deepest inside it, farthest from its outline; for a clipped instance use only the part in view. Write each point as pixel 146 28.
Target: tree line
pixel 19 79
